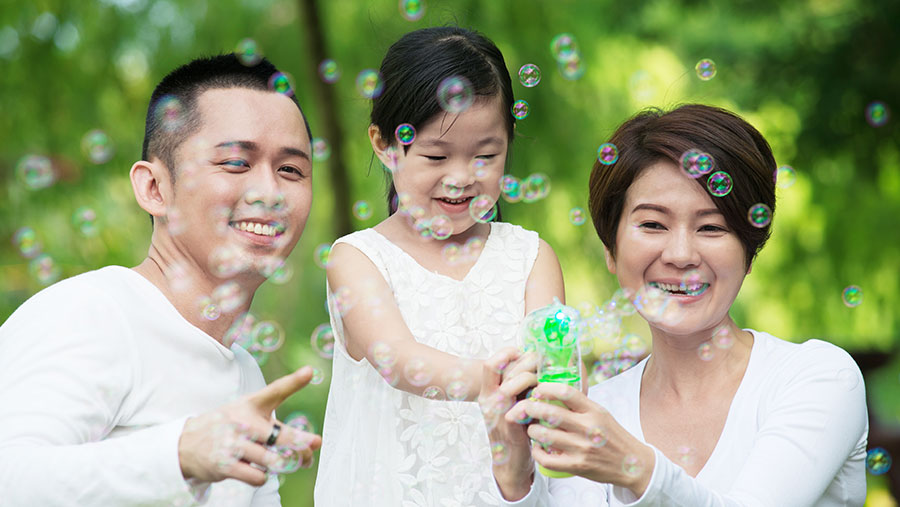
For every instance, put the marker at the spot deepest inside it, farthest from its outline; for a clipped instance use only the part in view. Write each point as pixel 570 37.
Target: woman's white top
pixel 795 436
pixel 386 447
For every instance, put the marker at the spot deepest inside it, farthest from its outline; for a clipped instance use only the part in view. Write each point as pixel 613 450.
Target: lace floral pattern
pixel 394 448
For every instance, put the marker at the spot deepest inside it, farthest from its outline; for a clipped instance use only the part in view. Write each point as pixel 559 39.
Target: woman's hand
pixel 583 439
pixel 507 376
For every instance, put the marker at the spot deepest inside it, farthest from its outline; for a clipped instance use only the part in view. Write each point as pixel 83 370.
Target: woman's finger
pixel 527 362
pixel 551 415
pixel 494 366
pixel 573 398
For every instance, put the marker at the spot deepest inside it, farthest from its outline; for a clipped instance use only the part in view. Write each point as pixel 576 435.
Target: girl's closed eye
pixel 434 158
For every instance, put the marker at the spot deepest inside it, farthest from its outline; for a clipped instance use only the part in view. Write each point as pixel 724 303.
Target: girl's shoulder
pixel 507 230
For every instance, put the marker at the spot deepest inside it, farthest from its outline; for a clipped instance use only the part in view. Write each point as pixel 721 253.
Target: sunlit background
pixel 819 78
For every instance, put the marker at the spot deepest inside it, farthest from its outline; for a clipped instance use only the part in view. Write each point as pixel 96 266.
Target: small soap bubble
pixel 85 221
pixel 785 176
pixel 472 248
pixel 35 171
pixel 322 340
pixel 482 209
pixel 520 109
pixel 852 296
pixel 759 215
pixel 633 345
pixel 451 253
pixel 318 376
pixel 239 331
pixel 523 418
pixel 281 83
pixel 479 168
pixel 577 216
pixel 572 68
pixel 44 269
pixel 412 10
pixel 563 47
pixel 405 134
pixel 287 460
pixel 321 149
pixel 268 335
pixel 26 242
pixel 362 210
pixel 434 393
pixel 685 455
pixel 455 94
pixel 299 421
pixel 209 310
pixel 632 466
pixel 511 188
pixel 369 83
pixel 722 338
pixel 382 354
pixel 441 227
pixel 706 69
pixel 329 71
pixel 877 114
pixel 499 453
pixel 457 390
pixel 169 113
pixel 278 271
pixel 706 351
pixel 416 372
pixel 621 302
pixel 535 187
pixel 226 261
pixel 452 188
pixel 229 296
pixel 696 163
pixel 97 146
pixel 248 52
pixel 529 75
pixel 878 461
pixel 719 183
pixel 607 154
pixel 597 436
pixel 321 255
pixel 343 300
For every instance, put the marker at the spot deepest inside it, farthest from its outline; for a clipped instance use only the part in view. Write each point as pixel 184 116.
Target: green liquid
pixel 560 376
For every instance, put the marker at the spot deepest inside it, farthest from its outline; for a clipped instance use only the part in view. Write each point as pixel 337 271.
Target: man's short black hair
pixel 172 115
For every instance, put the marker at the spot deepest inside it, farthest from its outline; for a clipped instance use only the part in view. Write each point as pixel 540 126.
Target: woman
pixel 716 415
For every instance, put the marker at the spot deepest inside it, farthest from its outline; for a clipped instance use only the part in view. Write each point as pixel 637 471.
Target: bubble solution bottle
pixel 552 332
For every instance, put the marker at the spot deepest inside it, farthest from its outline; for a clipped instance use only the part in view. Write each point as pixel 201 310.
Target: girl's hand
pixel 506 377
pixel 584 439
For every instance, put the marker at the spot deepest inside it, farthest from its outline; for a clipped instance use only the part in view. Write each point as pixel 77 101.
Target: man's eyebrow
pixel 297 152
pixel 252 146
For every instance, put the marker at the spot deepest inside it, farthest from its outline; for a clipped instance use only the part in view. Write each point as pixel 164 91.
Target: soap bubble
pixel 478 168
pixel 563 47
pixel 520 109
pixel 170 113
pixel 85 221
pixel 877 114
pixel 696 163
pixel 44 269
pixel 26 242
pixel 318 376
pixel 226 261
pixel 35 171
pixel 248 52
pixel 452 188
pixel 369 83
pixel 852 296
pixel 322 340
pixel 607 154
pixel 416 372
pixel 281 83
pixel 412 10
pixel 706 351
pixel 706 69
pixel 434 393
pixel 686 455
pixel 632 466
pixel 482 209
pixel 759 215
pixel 97 146
pixel 499 453
pixel 329 71
pixel 209 310
pixel 722 337
pixel 441 227
pixel 577 216
pixel 510 188
pixel 321 149
pixel 529 75
pixel 382 354
pixel 321 255
pixel 785 176
pixel 405 134
pixel 457 390
pixel 455 94
pixel 572 69
pixel 878 461
pixel 362 210
pixel 451 253
pixel 719 184
pixel 267 335
pixel 535 187
pixel 597 436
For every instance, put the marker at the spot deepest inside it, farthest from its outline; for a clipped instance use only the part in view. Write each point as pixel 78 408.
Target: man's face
pixel 243 184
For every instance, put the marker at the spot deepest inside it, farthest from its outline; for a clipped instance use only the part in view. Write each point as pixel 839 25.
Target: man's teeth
pixel 257 228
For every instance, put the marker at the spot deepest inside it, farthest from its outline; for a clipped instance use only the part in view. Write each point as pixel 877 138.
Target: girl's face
pixel 453 159
pixel 671 233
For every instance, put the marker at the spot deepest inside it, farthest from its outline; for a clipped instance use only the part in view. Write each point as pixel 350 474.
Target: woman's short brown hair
pixel 653 135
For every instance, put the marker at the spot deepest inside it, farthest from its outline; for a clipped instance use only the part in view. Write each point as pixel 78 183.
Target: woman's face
pixel 671 236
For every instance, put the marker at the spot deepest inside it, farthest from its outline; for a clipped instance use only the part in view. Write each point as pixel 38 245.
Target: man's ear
pixel 382 148
pixel 152 186
pixel 610 260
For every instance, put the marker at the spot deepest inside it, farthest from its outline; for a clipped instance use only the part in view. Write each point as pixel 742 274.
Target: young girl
pixel 418 301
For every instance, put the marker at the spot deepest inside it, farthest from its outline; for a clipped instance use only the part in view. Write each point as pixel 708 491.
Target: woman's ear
pixel 385 152
pixel 151 184
pixel 610 260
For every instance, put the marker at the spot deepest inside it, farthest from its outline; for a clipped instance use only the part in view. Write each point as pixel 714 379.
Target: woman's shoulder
pixel 811 352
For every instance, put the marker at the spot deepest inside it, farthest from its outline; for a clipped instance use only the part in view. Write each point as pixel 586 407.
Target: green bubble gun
pixel 552 331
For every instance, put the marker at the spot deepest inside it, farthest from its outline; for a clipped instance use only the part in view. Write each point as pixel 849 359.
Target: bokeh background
pixel 804 72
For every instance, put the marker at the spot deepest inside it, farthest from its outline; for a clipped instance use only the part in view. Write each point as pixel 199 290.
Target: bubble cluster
pixel 878 461
pixel 248 52
pixel 97 146
pixel 519 109
pixel 529 75
pixel 577 216
pixel 321 149
pixel 281 83
pixel 482 209
pixel 362 210
pixel 169 113
pixel 535 187
pixel 85 221
pixel 607 154
pixel 759 215
pixel 785 176
pixel 696 163
pixel 35 171
pixel 877 114
pixel 510 188
pixel 321 255
pixel 412 10
pixel 329 71
pixel 455 94
pixel 369 83
pixel 852 296
pixel 405 134
pixel 26 242
pixel 43 269
pixel 719 184
pixel 706 69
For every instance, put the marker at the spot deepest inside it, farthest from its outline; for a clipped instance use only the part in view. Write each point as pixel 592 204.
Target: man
pixel 123 386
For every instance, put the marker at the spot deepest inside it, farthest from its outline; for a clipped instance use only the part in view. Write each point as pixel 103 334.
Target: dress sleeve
pixel 64 373
pixel 812 422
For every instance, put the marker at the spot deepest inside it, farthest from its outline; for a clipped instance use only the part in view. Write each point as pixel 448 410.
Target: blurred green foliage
pixel 802 72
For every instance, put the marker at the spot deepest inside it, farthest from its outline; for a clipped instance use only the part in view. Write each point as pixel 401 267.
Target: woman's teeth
pixel 693 289
pixel 256 228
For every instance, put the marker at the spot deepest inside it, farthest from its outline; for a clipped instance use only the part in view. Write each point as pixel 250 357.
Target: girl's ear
pixel 383 150
pixel 610 260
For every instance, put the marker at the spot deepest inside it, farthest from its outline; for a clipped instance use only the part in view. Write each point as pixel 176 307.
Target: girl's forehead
pixel 481 121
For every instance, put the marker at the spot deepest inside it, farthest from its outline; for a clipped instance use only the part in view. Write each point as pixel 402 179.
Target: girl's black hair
pixel 416 64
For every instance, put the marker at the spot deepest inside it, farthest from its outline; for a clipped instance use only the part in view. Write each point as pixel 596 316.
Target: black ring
pixel 276 429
